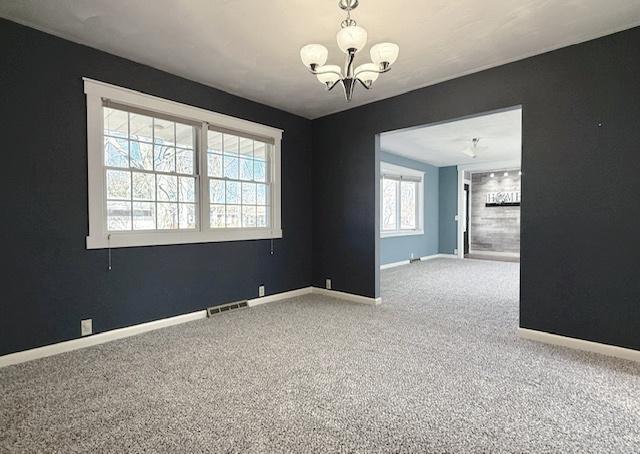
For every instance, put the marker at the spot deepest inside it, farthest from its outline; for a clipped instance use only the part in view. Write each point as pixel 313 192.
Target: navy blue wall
pixel 580 215
pixel 50 281
pixel 399 248
pixel 448 227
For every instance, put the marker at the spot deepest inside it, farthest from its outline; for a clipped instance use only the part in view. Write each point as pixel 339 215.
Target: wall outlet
pixel 86 327
pixel 455 251
pixel 412 256
pixel 261 290
pixel 455 218
pixel 328 284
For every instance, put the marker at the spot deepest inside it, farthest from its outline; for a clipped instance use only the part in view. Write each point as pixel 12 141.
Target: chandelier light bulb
pixel 384 53
pixel 314 54
pixel 351 37
pixel 367 72
pixel 328 78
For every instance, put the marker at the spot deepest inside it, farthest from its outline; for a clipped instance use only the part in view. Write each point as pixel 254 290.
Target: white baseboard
pixel 97 339
pixel 121 333
pixel 579 344
pixel 280 296
pixel 496 254
pixel 422 259
pixel 347 296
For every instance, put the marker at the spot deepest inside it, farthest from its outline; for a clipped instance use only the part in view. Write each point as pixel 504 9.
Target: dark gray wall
pixel 581 191
pixel 494 229
pixel 50 281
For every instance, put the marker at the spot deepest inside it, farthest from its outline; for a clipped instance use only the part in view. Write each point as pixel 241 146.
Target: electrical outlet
pixel 261 290
pixel 412 256
pixel 455 251
pixel 328 284
pixel 86 327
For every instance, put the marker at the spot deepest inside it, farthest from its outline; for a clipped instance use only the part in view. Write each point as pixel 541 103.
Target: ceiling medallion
pixel 351 39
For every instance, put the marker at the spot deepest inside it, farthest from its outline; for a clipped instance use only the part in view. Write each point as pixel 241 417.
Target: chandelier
pixel 351 39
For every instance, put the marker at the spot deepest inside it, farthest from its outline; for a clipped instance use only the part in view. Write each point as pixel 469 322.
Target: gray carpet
pixel 436 368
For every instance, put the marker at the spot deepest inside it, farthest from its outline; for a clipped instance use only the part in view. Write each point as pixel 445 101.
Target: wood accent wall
pixel 494 229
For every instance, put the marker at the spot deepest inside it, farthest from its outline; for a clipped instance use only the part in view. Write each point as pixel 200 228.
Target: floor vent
pixel 226 307
pixel 417 259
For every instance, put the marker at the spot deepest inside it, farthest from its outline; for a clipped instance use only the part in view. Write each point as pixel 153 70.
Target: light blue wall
pixel 396 249
pixel 448 209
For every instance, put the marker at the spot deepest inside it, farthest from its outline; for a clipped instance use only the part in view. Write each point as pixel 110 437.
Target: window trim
pixel 387 168
pixel 100 238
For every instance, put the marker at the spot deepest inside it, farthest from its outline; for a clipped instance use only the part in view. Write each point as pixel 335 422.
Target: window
pixel 161 172
pixel 401 192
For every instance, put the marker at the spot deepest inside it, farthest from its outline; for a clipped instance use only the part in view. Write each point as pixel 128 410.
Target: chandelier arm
pixel 364 84
pixel 313 71
pixel 330 87
pixel 379 71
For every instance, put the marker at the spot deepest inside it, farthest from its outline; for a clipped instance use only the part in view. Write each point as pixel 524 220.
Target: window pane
pixel 248 193
pixel 230 144
pixel 118 216
pixel 261 217
pixel 214 140
pixel 248 216
pixel 214 165
pixel 259 171
pixel 116 123
pixel 144 215
pixel 187 216
pixel 141 127
pixel 389 188
pixel 116 152
pixel 118 184
pixel 141 155
pixel 187 189
pixel 233 216
pixel 216 191
pixel 246 169
pixel 260 151
pixel 164 158
pixel 408 205
pixel 167 215
pixel 164 132
pixel 230 167
pixel 167 188
pixel 184 135
pixel 261 194
pixel 184 161
pixel 216 216
pixel 246 147
pixel 144 186
pixel 233 192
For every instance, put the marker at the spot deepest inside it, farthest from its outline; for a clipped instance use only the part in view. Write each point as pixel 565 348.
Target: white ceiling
pixel 441 144
pixel 251 47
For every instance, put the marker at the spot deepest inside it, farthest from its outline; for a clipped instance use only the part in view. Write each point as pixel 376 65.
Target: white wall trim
pixel 97 339
pixel 347 296
pixel 280 296
pixel 128 331
pixel 422 259
pixel 579 344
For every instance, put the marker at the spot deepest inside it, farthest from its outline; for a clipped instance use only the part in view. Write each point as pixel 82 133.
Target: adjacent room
pixel 337 226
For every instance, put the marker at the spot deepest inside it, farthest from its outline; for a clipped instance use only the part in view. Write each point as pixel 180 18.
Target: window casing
pixel 401 201
pixel 161 172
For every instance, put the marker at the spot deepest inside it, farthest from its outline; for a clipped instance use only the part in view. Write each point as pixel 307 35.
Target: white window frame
pixel 99 237
pixel 400 171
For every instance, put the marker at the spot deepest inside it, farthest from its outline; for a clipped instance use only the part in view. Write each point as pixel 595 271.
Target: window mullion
pixel 203 177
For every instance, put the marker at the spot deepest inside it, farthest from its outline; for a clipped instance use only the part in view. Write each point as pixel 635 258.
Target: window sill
pixel 132 239
pixel 396 234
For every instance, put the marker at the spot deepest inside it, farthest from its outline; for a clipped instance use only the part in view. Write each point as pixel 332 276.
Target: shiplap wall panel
pixel 494 229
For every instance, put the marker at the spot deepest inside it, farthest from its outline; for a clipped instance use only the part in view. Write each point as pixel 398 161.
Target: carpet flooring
pixel 436 368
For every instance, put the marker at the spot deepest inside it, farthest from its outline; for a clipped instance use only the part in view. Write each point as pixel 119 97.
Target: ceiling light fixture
pixel 351 39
